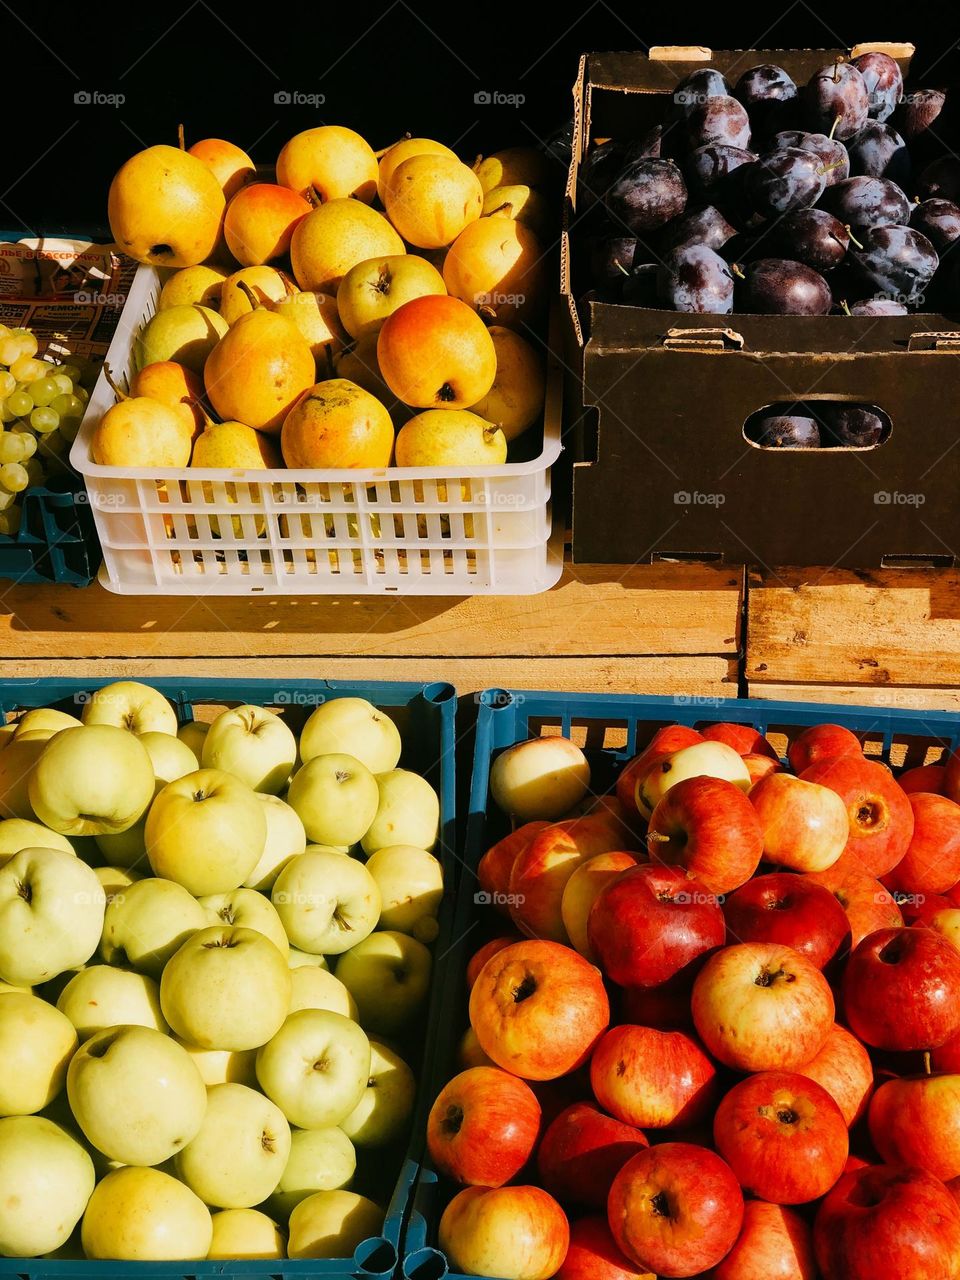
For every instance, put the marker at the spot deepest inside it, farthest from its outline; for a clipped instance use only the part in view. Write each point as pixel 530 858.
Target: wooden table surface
pixel 887 638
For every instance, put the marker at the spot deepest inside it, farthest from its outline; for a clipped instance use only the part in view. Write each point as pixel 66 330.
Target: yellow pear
pixel 403 150
pixel 267 284
pixel 515 401
pixel 517 166
pixel 358 363
pixel 173 385
pixel 330 161
pixel 334 238
pixel 498 266
pixel 231 167
pixel 235 446
pixel 338 424
pixel 257 371
pixel 432 198
pixel 450 438
pixel 200 284
pixel 165 208
pixel 317 318
pixel 139 432
pixel 184 334
pixel 524 204
pixel 372 290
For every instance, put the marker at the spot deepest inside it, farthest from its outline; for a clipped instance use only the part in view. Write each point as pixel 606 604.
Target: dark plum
pixel 813 237
pixel 941 178
pixel 770 97
pixel 918 112
pixel 610 258
pixel 640 286
pixel 939 221
pixel 649 147
pixel 718 121
pixel 877 307
pixel 699 86
pixel 837 102
pixel 833 154
pixel 707 168
pixel 705 226
pixel 599 171
pixel 787 431
pixel 782 287
pixel 784 180
pixel 647 195
pixel 896 261
pixel 850 425
pixel 558 146
pixel 868 202
pixel 878 151
pixel 694 278
pixel 884 81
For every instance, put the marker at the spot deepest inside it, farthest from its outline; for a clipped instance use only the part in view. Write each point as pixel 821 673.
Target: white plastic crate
pixel 415 531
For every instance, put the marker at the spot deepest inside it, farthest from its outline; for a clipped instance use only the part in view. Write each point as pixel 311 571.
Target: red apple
pixel 805 826
pixel 931 863
pixel 483 1127
pixel 946 1056
pixel 783 1136
pixel 650 923
pixel 879 813
pixel 493 869
pixel 760 766
pixel 581 892
pixel 920 908
pixel 844 1069
pixel 538 1008
pixel 951 776
pixel 953 1186
pixel 759 1006
pixel 883 1223
pixel 857 1162
pixel 582 1152
pixel 484 953
pixel 789 909
pixel 820 742
pixel 653 1079
pixel 925 777
pixel 774 1244
pixel 916 1121
pixel 665 1006
pixel 901 989
pixel 518 1233
pixel 868 904
pixel 593 1254
pixel 469 1053
pixel 744 739
pixel 676 1209
pixel 672 737
pixel 708 827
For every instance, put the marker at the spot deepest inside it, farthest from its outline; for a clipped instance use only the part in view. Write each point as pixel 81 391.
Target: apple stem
pixel 383 150
pixel 181 141
pixel 113 385
pixel 313 196
pixel 658 836
pixel 927 1063
pixel 487 313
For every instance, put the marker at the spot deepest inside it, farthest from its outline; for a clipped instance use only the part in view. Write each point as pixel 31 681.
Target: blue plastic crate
pixel 507 716
pixel 56 542
pixel 425 714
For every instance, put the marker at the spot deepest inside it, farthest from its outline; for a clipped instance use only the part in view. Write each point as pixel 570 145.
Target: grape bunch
pixel 840 197
pixel 41 404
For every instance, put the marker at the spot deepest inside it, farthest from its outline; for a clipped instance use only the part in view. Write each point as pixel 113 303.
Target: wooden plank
pixel 706 677
pixel 611 610
pixel 894 696
pixel 894 627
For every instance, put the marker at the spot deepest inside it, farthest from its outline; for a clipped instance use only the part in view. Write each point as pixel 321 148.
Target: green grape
pixel 29 441
pixel 69 406
pixel 44 420
pixel 64 384
pixel 43 391
pixel 6 414
pixel 26 369
pixel 20 403
pixel 9 350
pixel 8 384
pixel 71 371
pixel 14 477
pixel 81 393
pixel 10 520
pixel 11 447
pixel 7 499
pixel 28 343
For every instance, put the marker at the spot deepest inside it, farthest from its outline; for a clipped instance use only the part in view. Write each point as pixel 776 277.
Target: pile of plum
pixel 779 200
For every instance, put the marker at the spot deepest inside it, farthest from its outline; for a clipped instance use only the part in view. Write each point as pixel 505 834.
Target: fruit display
pixel 766 196
pixel 713 1013
pixel 362 310
pixel 215 960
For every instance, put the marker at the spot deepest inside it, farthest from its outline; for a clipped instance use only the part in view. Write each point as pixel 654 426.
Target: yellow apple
pixel 21 833
pixel 336 798
pixel 408 812
pixel 516 399
pixel 144 1215
pixel 131 705
pixel 165 208
pixel 101 997
pixel 236 1158
pixel 91 780
pixel 250 910
pixel 701 759
pixel 410 881
pixel 46 1179
pixel 388 974
pixel 45 720
pixel 254 745
pixel 326 901
pixel 17 759
pixel 330 162
pixel 539 778
pixel 581 892
pixel 223 1066
pixel 245 1233
pixel 403 150
pixel 383 1113
pixel 285 839
pixel 331 1224
pixel 51 914
pixel 192 734
pixel 352 727
pixel 36 1044
pixel 316 988
pixel 145 924
pixel 339 1052
pixel 305 960
pixel 450 438
pixel 334 238
pixel 171 759
pixel 430 199
pixel 116 880
pixel 372 290
pixel 320 1160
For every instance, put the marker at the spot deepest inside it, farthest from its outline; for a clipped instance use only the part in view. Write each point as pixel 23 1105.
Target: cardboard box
pixel 662 468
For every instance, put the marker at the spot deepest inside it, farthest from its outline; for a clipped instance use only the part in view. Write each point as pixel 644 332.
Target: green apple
pixel 331 1224
pixel 171 759
pixel 18 756
pixel 206 831
pixel 327 901
pixel 51 914
pixel 192 734
pixel 352 727
pixel 383 1113
pixel 223 1066
pixel 337 1057
pixel 236 1158
pixel 46 1179
pixel 314 988
pixel 408 812
pixel 102 997
pixel 253 744
pixel 285 839
pixel 116 880
pixel 91 780
pixel 44 720
pixel 144 1215
pixel 319 1160
pixel 20 833
pixel 250 910
pixel 411 886
pixel 388 974
pixel 336 797
pixel 226 988
pixel 136 1094
pixel 147 923
pixel 244 1234
pixel 301 959
pixel 36 1045
pixel 131 705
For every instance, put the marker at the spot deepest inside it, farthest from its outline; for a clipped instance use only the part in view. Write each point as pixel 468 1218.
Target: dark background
pixel 383 69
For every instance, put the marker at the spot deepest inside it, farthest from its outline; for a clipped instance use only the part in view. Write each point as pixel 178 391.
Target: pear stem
pixel 833 127
pixel 383 150
pixel 507 204
pixel 181 141
pixel 251 297
pixel 113 384
pixel 845 307
pixel 738 270
pixel 853 238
